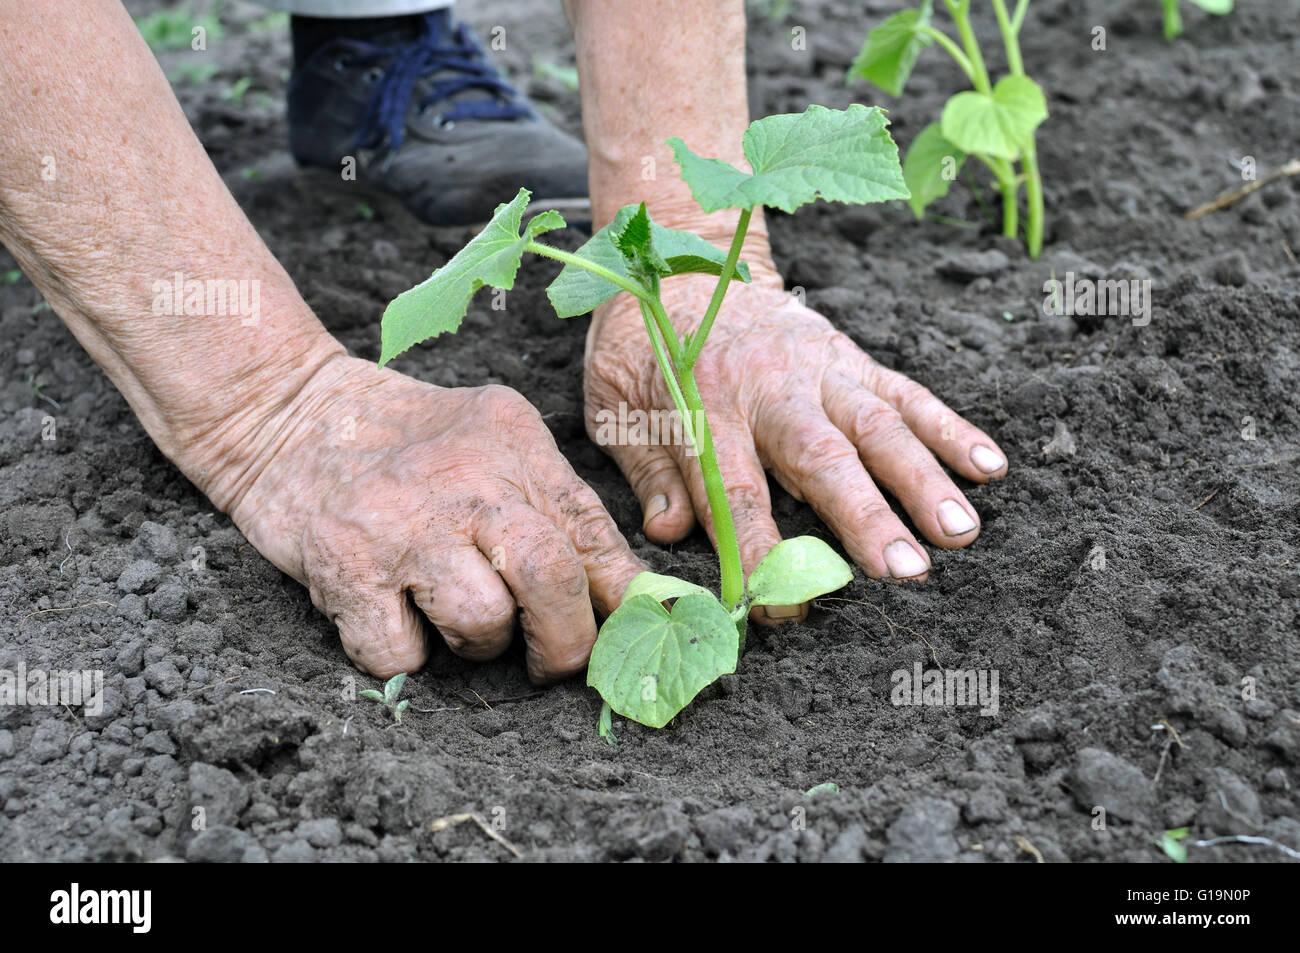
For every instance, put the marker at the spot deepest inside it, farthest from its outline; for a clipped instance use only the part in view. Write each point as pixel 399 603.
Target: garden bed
pixel 1137 564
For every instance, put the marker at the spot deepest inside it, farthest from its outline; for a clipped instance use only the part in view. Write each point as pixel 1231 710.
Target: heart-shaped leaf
pixel 930 167
pixel 996 125
pixel 648 663
pixel 438 304
pixel 890 51
pixel 796 571
pixel 839 155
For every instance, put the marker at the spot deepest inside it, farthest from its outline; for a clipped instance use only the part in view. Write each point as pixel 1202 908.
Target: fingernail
pixel 986 459
pixel 954 519
pixel 903 561
pixel 657 505
pixel 782 612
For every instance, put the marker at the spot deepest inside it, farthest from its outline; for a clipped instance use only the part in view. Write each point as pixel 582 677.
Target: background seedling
pixel 669 638
pixel 392 689
pixel 1174 20
pixel 993 122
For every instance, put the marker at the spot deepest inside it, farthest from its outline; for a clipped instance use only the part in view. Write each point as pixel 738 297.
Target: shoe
pixel 429 120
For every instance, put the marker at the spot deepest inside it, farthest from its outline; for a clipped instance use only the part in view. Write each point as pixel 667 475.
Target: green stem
pixel 666 368
pixel 1022 7
pixel 1010 189
pixel 1033 178
pixel 627 284
pixel 953 50
pixel 979 74
pixel 724 528
pixel 719 292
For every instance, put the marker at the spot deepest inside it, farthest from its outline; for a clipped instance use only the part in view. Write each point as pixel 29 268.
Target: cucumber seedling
pixel 650 660
pixel 392 689
pixel 1174 19
pixel 993 122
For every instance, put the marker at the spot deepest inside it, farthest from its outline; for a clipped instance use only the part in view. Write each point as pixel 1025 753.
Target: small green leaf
pixel 372 695
pixel 930 167
pixel 1171 843
pixel 1217 7
pixel 891 49
pixel 648 663
pixel 438 304
pixel 577 291
pixel 995 125
pixel 11 277
pixel 827 787
pixel 605 724
pixel 393 687
pixel 840 155
pixel 795 571
pixel 401 707
pixel 662 588
pixel 637 247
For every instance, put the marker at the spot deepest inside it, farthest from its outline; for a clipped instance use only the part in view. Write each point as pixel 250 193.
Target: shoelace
pixel 434 52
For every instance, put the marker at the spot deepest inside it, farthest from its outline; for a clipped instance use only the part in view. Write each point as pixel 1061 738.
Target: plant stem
pixel 627 284
pixel 1010 189
pixel 979 74
pixel 1033 178
pixel 719 292
pixel 666 368
pixel 724 528
pixel 953 50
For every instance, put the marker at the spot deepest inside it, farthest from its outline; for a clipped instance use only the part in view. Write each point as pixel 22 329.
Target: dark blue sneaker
pixel 430 120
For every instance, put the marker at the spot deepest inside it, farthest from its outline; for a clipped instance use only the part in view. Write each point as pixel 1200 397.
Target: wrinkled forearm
pixel 106 196
pixel 654 70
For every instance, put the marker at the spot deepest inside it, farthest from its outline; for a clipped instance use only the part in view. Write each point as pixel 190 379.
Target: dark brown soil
pixel 1147 460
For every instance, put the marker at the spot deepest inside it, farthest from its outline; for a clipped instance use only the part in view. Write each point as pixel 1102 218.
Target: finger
pixel 899 462
pixel 964 447
pixel 748 498
pixel 572 506
pixel 467 600
pixel 380 630
pixel 814 456
pixel 548 581
pixel 666 513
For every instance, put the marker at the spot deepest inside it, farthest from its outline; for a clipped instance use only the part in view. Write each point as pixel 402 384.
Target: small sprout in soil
pixel 11 277
pixel 605 725
pixel 993 122
pixel 826 787
pixel 234 94
pixel 670 638
pixel 1171 842
pixel 1174 19
pixel 365 211
pixel 392 689
pixel 563 75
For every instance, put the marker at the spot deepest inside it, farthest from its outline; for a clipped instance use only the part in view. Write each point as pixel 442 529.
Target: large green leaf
pixel 890 51
pixel 648 663
pixel 438 304
pixel 995 125
pixel 577 291
pixel 930 166
pixel 840 155
pixel 795 571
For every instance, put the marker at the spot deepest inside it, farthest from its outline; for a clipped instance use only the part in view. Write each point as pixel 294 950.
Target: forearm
pixel 638 90
pixel 106 197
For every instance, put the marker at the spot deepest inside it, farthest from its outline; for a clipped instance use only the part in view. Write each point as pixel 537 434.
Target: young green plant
pixel 993 122
pixel 651 658
pixel 1174 19
pixel 392 689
